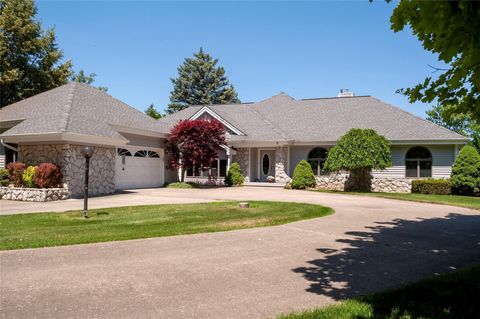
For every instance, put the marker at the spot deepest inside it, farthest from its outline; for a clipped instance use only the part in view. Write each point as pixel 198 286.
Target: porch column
pixel 229 159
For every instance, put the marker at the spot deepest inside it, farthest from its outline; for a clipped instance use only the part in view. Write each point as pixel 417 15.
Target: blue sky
pixel 306 49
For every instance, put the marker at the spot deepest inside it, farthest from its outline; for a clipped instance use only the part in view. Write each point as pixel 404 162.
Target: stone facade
pixel 34 194
pixel 340 182
pixel 242 157
pixel 68 156
pixel 281 161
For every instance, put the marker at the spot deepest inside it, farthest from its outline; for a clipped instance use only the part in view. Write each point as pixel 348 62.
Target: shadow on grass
pixel 395 253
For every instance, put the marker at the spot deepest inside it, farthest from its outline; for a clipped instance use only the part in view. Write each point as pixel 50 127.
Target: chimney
pixel 345 93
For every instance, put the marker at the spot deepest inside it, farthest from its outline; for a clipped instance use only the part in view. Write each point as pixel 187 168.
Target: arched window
pixel 123 152
pixel 146 153
pixel 317 158
pixel 418 162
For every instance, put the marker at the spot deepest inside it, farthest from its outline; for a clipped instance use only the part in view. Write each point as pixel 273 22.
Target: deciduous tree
pixel 451 30
pixel 30 60
pixel 194 143
pixel 359 151
pixel 81 77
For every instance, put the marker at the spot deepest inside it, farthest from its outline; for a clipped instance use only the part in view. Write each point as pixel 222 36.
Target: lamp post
pixel 87 152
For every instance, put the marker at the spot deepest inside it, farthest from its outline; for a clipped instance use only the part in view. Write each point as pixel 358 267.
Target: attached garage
pixel 139 167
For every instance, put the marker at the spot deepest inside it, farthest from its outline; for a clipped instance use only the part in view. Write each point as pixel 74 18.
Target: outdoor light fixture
pixel 87 152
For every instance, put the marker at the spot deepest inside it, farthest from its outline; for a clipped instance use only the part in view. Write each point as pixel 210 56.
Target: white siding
pixel 2 161
pixel 443 157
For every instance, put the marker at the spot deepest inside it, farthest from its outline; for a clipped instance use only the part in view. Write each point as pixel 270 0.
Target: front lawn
pixel 454 200
pixel 122 223
pixel 451 296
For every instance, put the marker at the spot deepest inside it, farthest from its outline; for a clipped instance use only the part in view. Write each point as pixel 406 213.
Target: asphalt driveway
pixel 368 244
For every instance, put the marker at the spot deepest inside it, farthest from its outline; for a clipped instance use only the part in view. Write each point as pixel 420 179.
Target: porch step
pixel 264 184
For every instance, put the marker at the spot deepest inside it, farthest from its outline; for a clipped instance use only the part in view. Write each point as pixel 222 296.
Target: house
pixel 267 138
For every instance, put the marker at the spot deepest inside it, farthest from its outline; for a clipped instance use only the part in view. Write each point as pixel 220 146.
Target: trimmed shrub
pixel 303 176
pixel 431 186
pixel 28 175
pixel 15 172
pixel 465 178
pixel 181 185
pixel 4 181
pixel 234 175
pixel 48 175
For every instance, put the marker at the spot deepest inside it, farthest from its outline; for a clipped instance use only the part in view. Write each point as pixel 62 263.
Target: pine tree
pixel 200 82
pixel 152 111
pixel 30 59
pixel 82 77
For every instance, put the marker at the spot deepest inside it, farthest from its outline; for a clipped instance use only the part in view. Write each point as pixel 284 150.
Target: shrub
pixel 4 181
pixel 234 175
pixel 431 186
pixel 303 176
pixel 465 178
pixel 28 175
pixel 181 185
pixel 48 175
pixel 15 171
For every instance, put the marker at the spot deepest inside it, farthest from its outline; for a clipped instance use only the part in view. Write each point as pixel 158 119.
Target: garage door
pixel 139 168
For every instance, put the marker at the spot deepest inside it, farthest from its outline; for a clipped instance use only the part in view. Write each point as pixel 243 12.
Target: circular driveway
pixel 368 244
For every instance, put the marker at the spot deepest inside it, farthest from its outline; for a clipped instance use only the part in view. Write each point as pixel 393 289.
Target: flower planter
pixel 34 194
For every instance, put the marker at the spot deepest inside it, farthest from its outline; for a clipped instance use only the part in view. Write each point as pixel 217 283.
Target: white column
pixel 229 159
pixel 456 150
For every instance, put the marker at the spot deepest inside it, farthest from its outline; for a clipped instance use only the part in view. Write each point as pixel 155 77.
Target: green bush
pixel 28 176
pixel 4 181
pixel 303 176
pixel 431 186
pixel 465 178
pixel 234 175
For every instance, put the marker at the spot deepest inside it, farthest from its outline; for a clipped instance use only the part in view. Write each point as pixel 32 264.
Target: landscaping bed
pixel 123 223
pixel 34 194
pixel 449 296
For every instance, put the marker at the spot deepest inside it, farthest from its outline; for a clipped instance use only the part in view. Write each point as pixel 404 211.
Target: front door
pixel 267 164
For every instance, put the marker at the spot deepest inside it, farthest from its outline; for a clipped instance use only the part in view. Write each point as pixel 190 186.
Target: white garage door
pixel 138 167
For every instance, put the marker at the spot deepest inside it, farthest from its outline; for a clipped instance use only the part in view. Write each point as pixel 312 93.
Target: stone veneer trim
pixel 34 194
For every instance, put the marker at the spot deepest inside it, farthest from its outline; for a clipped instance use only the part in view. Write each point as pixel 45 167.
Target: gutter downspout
pixel 10 147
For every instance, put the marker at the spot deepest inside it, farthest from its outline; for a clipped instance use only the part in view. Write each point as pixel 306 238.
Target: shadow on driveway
pixel 389 253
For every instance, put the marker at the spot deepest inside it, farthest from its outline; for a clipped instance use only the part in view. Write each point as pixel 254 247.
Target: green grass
pixel 454 200
pixel 122 223
pixel 182 185
pixel 450 296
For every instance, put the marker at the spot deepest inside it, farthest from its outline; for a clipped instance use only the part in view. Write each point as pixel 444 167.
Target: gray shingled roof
pixel 321 120
pixel 75 108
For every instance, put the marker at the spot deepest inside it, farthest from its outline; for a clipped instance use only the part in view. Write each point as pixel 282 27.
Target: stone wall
pixel 34 194
pixel 281 159
pixel 340 182
pixel 68 156
pixel 242 157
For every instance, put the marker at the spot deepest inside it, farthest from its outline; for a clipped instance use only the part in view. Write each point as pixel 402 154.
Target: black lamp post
pixel 87 152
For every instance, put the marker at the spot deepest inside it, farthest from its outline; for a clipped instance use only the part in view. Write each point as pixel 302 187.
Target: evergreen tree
pixel 81 77
pixel 30 59
pixel 200 82
pixel 152 111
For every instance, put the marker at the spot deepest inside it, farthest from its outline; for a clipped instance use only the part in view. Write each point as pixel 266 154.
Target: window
pixel 316 159
pixel 123 152
pixel 217 169
pixel 265 164
pixel 418 162
pixel 146 153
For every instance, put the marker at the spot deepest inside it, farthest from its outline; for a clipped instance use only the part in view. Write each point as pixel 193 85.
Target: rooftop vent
pixel 345 93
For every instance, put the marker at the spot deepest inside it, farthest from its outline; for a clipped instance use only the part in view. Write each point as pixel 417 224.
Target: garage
pixel 138 167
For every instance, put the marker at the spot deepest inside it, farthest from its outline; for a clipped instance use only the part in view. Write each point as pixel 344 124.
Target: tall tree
pixel 152 111
pixel 460 123
pixel 200 82
pixel 194 144
pixel 81 77
pixel 30 59
pixel 450 29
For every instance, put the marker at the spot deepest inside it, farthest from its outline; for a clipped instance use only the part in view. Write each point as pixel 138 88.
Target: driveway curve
pixel 367 245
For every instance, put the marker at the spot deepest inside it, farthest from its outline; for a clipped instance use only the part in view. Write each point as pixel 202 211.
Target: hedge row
pixel 431 186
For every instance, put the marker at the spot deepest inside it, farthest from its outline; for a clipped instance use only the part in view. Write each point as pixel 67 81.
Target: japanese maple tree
pixel 194 143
